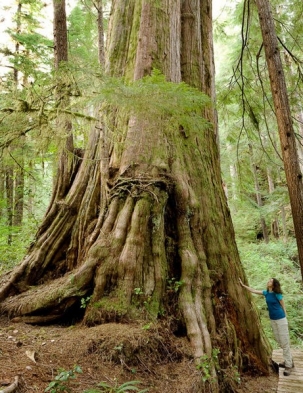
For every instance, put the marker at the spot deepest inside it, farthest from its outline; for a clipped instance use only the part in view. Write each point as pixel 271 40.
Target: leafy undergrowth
pixel 110 354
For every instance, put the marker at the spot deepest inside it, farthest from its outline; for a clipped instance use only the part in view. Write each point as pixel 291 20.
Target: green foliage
pixel 105 387
pixel 82 34
pixel 37 176
pixel 206 363
pixel 36 51
pixel 138 291
pixel 13 253
pixel 248 127
pixel 147 326
pixel 115 303
pixel 33 51
pixel 140 299
pixel 279 260
pixel 231 375
pixel 153 97
pixel 174 285
pixel 246 214
pixel 61 381
pixel 85 301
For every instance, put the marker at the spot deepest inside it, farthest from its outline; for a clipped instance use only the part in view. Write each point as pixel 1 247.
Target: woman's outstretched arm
pixel 252 290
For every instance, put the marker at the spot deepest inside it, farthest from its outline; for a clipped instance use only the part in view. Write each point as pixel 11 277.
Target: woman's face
pixel 270 283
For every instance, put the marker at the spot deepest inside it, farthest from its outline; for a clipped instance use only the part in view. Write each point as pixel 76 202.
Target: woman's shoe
pixel 275 366
pixel 282 365
pixel 287 371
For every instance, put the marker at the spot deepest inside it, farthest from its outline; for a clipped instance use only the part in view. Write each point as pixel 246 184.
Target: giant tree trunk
pixel 144 229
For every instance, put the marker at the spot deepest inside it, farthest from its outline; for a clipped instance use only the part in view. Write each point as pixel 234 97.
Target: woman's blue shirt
pixel 273 304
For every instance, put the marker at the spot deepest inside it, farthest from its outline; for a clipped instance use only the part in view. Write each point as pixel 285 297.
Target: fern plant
pixel 61 381
pixel 127 387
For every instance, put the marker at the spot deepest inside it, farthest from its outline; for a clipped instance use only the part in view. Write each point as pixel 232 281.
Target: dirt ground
pixel 111 353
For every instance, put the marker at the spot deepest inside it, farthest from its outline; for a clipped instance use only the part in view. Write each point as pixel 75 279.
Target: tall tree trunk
pixel 60 33
pixel 284 120
pixel 258 195
pixel 300 132
pixel 100 28
pixel 19 194
pixel 284 225
pixel 9 187
pixel 159 216
pixel 2 189
pixel 19 185
pixel 63 89
pixel 233 173
pixel 17 170
pixel 17 45
pixel 271 189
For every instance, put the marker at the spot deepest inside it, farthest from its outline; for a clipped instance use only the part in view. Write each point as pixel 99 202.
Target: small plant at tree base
pixel 85 301
pixel 206 363
pixel 119 347
pixel 174 285
pixel 147 326
pixel 61 381
pixel 138 291
pixel 104 387
pixel 204 366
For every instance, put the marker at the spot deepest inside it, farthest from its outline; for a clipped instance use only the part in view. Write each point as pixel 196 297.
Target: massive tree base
pixel 144 246
pixel 138 227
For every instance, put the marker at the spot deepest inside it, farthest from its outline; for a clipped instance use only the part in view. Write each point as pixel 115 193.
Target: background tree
pixel 24 52
pixel 284 120
pixel 255 121
pixel 248 133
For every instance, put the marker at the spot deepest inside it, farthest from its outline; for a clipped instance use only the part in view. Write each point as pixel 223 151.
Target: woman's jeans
pixel 281 334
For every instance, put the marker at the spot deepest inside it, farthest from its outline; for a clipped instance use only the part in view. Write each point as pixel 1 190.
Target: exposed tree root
pixel 12 387
pixel 37 320
pixel 50 300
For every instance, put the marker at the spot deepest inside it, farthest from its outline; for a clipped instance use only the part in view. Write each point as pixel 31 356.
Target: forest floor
pixel 111 353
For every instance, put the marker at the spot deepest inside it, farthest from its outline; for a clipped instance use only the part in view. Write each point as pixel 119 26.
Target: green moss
pixel 115 303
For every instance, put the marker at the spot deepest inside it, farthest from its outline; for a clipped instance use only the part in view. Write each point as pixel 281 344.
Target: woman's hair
pixel 276 287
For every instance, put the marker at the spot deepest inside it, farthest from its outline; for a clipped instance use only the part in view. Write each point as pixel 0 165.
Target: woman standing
pixel 277 314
